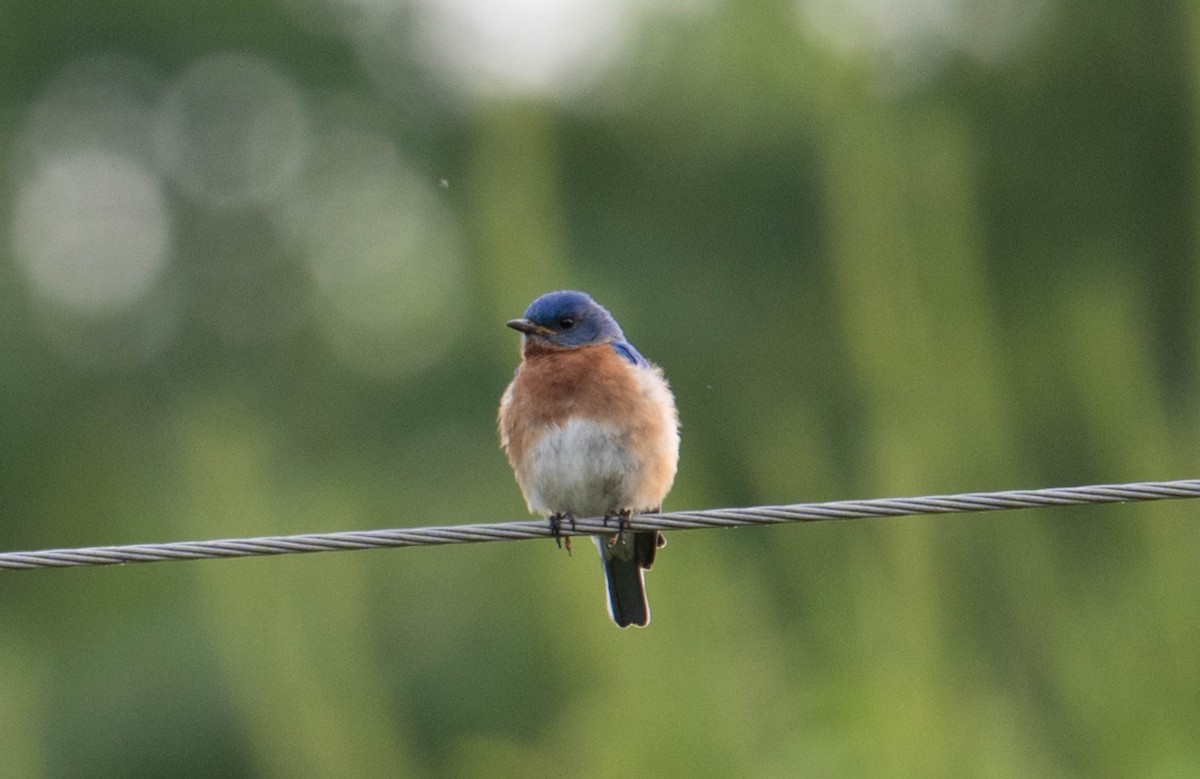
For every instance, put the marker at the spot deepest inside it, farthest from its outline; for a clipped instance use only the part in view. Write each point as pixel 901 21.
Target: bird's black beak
pixel 529 328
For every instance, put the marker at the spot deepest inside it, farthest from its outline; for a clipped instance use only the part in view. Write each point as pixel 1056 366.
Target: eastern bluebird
pixel 590 429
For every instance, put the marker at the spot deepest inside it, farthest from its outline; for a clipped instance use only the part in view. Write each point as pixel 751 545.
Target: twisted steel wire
pixel 676 520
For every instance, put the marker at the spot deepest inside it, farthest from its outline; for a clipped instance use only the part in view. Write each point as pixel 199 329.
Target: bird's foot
pixel 623 516
pixel 556 530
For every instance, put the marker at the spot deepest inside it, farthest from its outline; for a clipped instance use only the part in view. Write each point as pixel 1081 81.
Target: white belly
pixel 583 468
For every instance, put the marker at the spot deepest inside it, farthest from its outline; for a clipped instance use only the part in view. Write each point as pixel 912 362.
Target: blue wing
pixel 631 355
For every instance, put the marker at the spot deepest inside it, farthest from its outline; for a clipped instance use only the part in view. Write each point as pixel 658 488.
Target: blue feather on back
pixel 631 355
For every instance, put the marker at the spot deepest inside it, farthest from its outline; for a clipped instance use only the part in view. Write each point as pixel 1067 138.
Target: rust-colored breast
pixel 553 385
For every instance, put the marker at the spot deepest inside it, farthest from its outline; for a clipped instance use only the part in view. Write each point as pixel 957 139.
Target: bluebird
pixel 590 429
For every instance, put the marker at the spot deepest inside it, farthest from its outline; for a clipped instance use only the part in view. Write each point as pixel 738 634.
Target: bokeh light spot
pixel 92 231
pixel 383 252
pixel 916 36
pixel 232 131
pixel 101 102
pixel 496 50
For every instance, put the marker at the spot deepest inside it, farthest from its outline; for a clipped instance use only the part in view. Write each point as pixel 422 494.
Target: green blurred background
pixel 255 260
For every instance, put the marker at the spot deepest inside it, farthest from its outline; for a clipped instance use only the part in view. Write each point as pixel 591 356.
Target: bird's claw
pixel 623 516
pixel 556 531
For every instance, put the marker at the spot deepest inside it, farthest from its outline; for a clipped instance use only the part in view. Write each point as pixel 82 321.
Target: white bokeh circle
pixel 232 131
pixel 92 231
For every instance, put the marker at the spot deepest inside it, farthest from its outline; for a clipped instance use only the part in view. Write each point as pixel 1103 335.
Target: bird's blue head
pixel 568 319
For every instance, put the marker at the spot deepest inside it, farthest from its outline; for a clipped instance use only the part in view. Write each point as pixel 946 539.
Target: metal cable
pixel 677 520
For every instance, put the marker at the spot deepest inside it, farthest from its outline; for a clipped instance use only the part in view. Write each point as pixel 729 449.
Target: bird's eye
pixel 566 323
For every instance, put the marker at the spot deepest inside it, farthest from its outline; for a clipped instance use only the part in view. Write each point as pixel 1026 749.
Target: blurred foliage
pixel 921 265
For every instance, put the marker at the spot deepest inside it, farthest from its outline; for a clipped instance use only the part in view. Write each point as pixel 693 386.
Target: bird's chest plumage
pixel 587 433
pixel 583 467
